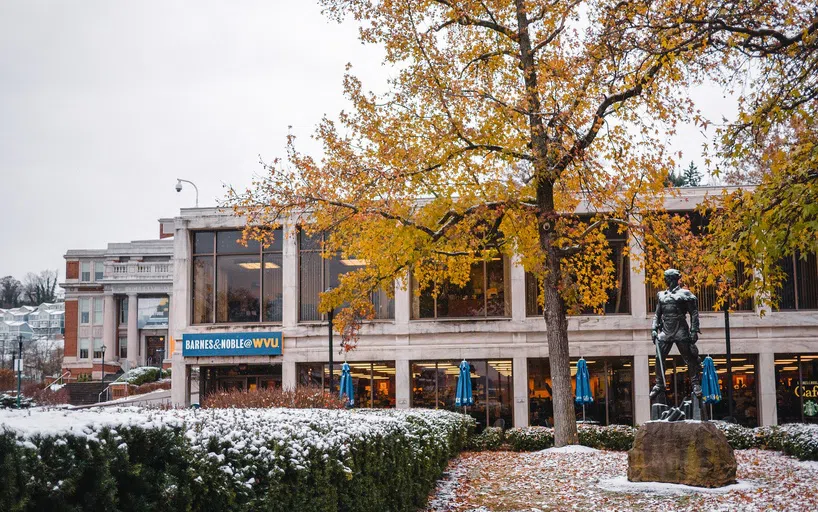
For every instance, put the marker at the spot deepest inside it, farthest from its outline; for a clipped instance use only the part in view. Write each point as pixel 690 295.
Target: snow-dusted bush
pixel 739 437
pixel 8 401
pixel 525 439
pixel 142 374
pixel 489 439
pixel 800 440
pixel 610 437
pixel 225 459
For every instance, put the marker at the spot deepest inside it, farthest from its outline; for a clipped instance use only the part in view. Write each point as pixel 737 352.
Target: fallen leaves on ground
pixel 542 481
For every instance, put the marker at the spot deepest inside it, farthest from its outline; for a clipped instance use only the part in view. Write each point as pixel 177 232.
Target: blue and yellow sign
pixel 232 344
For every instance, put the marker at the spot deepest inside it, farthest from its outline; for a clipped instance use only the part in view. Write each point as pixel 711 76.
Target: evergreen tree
pixel 691 176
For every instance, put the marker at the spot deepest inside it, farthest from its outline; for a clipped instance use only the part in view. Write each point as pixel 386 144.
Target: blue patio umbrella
pixel 584 395
pixel 711 391
pixel 346 385
pixel 464 395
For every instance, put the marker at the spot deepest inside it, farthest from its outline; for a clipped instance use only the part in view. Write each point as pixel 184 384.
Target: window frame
pixel 99 275
pixel 98 315
pixel 87 343
pixel 215 255
pixel 83 265
pixel 85 311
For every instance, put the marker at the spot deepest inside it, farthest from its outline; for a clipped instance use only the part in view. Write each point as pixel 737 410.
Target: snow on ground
pixel 573 448
pixel 576 480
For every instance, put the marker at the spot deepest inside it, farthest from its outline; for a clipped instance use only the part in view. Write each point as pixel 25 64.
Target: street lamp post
pixel 20 370
pixel 179 188
pixel 330 315
pixel 729 362
pixel 103 364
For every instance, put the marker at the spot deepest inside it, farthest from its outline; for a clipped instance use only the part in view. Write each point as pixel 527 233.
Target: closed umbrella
pixel 583 386
pixel 710 384
pixel 464 395
pixel 346 385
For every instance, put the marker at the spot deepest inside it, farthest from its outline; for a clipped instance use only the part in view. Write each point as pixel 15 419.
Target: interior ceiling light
pixel 255 265
pixel 354 263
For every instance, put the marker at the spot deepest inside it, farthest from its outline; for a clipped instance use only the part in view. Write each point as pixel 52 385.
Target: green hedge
pixel 234 460
pixel 489 439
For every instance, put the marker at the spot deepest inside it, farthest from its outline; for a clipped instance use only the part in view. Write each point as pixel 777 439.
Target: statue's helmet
pixel 673 273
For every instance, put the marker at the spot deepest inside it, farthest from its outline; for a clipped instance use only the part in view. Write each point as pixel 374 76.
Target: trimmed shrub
pixel 489 439
pixel 298 398
pixel 143 374
pixel 800 440
pixel 612 437
pixel 230 459
pixel 525 439
pixel 8 379
pixel 740 438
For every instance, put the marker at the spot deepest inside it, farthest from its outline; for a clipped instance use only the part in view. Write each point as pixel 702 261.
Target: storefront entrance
pixel 241 377
pixel 155 350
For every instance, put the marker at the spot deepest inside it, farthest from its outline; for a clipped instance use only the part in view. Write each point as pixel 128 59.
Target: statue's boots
pixel 697 389
pixel 658 390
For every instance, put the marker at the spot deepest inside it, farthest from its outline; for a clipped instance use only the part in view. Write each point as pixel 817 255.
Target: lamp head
pixel 178 186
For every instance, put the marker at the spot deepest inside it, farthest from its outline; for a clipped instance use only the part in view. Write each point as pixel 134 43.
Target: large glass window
pixel 434 386
pixel 487 293
pixel 374 383
pixel 796 380
pixel 745 393
pixel 800 289
pixel 85 267
pixel 613 396
pixel 123 310
pixel 85 311
pixel 234 283
pixel 123 347
pixel 152 312
pixel 317 273
pixel 99 271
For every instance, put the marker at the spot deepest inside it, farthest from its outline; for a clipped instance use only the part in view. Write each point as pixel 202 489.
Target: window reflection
pixel 153 312
pixel 796 380
pixel 434 386
pixel 373 382
pixel 487 293
pixel 613 396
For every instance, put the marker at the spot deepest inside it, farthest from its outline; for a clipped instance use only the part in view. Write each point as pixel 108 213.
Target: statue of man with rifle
pixel 670 326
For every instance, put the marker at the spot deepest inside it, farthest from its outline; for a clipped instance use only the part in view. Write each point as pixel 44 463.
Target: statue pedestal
pixel 685 452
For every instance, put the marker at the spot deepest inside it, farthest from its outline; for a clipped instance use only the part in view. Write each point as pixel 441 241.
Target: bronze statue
pixel 670 326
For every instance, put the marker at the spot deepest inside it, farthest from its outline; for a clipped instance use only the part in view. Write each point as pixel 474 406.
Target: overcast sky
pixel 104 104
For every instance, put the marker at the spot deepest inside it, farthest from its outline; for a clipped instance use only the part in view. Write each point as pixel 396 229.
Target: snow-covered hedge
pixel 224 459
pixel 142 374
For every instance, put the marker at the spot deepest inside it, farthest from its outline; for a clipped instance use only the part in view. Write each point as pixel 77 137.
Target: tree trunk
pixel 556 327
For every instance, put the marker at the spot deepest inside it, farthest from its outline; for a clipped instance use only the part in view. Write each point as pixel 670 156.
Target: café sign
pixel 232 344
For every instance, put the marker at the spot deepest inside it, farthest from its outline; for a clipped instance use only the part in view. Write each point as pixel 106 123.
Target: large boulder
pixel 682 452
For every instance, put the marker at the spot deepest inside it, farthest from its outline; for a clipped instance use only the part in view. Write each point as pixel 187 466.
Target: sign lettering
pixel 232 344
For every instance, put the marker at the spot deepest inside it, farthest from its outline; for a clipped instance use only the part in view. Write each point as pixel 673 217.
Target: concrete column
pixel 639 301
pixel 403 384
pixel 520 372
pixel 168 345
pixel 289 275
pixel 133 331
pixel 179 382
pixel 180 295
pixel 518 297
pixel 403 301
pixel 767 400
pixel 641 389
pixel 288 375
pixel 109 328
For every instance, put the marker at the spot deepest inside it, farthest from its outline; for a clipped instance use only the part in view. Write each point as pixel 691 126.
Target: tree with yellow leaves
pixel 501 119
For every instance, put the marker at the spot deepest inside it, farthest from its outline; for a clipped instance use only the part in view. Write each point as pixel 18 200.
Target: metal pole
pixel 20 372
pixel 329 315
pixel 729 362
pixel 103 364
pixel 800 387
